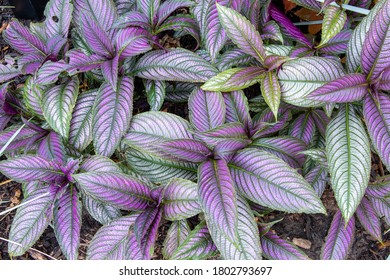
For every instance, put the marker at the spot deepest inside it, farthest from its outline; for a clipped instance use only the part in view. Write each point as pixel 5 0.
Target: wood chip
pixel 303 243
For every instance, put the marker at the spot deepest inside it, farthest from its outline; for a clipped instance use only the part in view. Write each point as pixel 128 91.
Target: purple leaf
pixel 174 65
pixel 112 113
pixel 30 63
pixel 271 30
pixel 317 178
pixel 67 222
pixel 31 168
pixel 225 149
pixel 197 246
pixel 102 12
pixel 52 148
pixel 149 8
pixel 217 197
pixel 206 109
pixel 376 111
pixel 144 222
pixel 321 120
pixel 265 124
pixel 80 131
pixel 144 251
pixel 101 212
pixel 223 132
pixel 369 219
pixel 248 236
pixel 96 37
pixel 133 19
pixel 275 248
pixel 234 79
pixel 177 233
pixel 180 200
pixel 384 82
pixel 211 31
pixel 253 171
pixel 303 128
pixel 338 44
pixel 237 109
pixel 48 73
pixel 22 40
pixel 242 32
pixel 131 42
pixel 184 24
pixel 382 208
pixel 380 188
pixel 287 27
pixel 58 103
pixel 111 242
pixel 349 88
pixel 284 147
pixel 355 44
pixel 7 72
pixel 54 45
pixel 99 164
pixel 376 47
pixel 110 72
pixel 168 7
pixel 339 239
pixel 80 62
pixel 234 58
pixel 114 188
pixel 30 221
pixel 58 15
pixel 23 138
pixel 183 150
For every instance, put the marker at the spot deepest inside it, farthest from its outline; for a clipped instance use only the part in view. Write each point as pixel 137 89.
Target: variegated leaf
pixel 177 233
pixel 334 20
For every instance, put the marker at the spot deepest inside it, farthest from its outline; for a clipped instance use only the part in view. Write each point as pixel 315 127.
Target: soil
pixel 310 229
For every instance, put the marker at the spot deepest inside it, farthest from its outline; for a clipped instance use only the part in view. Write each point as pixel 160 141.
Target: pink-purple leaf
pixel 234 58
pixel 132 41
pixel 180 200
pixel 237 108
pixel 233 131
pixel 177 233
pixel 149 8
pixel 384 82
pixel 80 131
pixel 206 109
pixel 382 208
pixel 101 212
pixel 234 79
pixel 376 47
pixel 7 72
pixel 48 73
pixel 99 164
pixel 380 188
pixel 58 103
pixel 52 148
pixel 110 72
pixel 376 111
pixel 253 172
pixel 338 44
pixel 339 239
pixel 122 191
pixel 80 62
pixel 284 147
pixel 111 115
pixel 183 150
pixel 197 246
pixel 317 178
pixel 349 88
pixel 303 128
pixel 174 65
pixel 369 219
pixel 111 242
pixel 225 149
pixel 134 19
pixel 217 196
pixel 26 136
pixel 96 37
pixel 242 32
pixel 143 223
pixel 168 7
pixel 67 222
pixel 31 168
pixel 58 15
pixel 321 120
pixel 22 40
pixel 275 248
pixel 30 221
pixel 248 246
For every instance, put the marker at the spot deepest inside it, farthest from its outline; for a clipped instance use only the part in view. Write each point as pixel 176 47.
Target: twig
pixel 350 8
pixel 32 249
pixel 24 203
pixel 6 182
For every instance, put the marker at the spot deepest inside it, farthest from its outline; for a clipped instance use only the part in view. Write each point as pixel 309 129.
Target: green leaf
pixel 334 20
pixel 349 159
pixel 270 89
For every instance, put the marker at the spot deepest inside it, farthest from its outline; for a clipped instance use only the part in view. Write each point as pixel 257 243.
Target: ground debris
pixel 303 243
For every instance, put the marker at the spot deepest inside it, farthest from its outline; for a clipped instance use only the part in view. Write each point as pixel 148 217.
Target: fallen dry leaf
pixel 303 243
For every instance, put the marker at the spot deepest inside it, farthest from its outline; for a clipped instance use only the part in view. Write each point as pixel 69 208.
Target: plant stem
pixel 350 8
